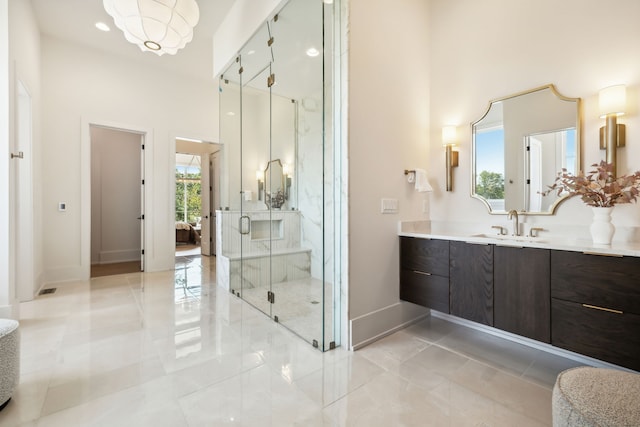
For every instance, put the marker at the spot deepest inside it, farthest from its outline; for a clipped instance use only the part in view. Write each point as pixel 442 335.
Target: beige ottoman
pixel 9 359
pixel 588 396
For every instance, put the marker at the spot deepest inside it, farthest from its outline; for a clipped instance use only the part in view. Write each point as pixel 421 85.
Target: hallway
pixel 171 348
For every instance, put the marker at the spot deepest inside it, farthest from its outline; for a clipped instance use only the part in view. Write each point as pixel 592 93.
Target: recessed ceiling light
pixel 327 1
pixel 251 52
pixel 313 52
pixel 231 113
pixel 102 26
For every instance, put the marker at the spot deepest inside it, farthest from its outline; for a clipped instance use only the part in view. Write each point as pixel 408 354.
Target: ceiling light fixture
pixel 102 26
pixel 159 26
pixel 313 52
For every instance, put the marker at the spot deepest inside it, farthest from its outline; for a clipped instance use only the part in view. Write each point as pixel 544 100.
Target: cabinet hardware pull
pixel 595 307
pixel 601 254
pixel 422 272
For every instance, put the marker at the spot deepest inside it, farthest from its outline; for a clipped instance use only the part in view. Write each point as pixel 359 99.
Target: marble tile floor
pixel 172 349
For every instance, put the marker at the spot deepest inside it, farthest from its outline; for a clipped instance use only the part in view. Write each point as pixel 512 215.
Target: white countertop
pixel 411 229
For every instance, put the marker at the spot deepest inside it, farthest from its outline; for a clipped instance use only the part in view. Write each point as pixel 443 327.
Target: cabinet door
pixel 425 255
pixel 522 300
pixel 604 281
pixel 425 290
pixel 471 281
pixel 605 335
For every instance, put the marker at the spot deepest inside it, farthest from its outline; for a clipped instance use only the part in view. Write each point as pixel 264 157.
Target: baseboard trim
pixel 377 324
pixel 528 342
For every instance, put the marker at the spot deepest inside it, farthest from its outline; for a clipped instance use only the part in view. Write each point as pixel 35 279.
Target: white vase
pixel 601 229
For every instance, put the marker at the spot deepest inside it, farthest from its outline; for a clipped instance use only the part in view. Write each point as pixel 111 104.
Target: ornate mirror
pixel 518 147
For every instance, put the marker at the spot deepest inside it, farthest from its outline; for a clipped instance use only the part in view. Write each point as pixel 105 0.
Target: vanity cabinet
pixel 471 281
pixel 585 303
pixel 424 272
pixel 521 286
pixel 595 306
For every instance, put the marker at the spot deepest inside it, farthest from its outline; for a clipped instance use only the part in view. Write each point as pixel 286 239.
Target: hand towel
pixel 422 184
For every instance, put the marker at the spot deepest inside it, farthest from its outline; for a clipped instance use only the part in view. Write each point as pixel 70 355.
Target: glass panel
pixel 280 159
pixel 301 299
pixel 256 244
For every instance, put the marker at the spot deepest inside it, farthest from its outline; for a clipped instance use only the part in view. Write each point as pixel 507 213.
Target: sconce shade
pixel 449 135
pixel 159 26
pixel 613 100
pixel 259 175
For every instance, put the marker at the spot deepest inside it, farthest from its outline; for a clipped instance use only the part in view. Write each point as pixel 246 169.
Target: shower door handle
pixel 244 224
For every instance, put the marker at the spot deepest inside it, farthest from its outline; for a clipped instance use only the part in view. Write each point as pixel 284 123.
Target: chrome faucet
pixel 516 227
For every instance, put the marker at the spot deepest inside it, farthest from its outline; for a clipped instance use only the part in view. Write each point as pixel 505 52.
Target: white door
pixel 205 200
pixel 23 198
pixel 141 217
pixel 214 173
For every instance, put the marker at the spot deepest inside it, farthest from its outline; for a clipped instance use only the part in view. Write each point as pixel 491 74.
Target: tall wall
pixel 481 51
pixel 19 61
pixel 388 132
pixel 420 65
pixel 82 86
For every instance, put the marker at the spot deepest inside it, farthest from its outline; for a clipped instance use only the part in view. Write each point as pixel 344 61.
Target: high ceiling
pixel 74 21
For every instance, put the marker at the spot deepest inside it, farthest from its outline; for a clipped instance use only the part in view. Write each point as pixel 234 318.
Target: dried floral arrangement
pixel 275 200
pixel 598 188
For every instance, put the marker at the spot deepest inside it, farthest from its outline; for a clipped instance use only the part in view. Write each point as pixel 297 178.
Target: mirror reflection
pixel 519 146
pixel 274 185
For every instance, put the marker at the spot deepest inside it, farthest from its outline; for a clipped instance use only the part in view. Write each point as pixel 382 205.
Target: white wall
pixel 115 195
pixel 420 65
pixel 82 86
pixel 388 124
pixel 19 61
pixel 7 290
pixel 481 51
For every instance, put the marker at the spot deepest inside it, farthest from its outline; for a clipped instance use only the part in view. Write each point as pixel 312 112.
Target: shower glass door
pixel 284 193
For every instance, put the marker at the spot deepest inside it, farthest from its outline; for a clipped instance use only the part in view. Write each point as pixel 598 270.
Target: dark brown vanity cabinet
pixel 522 302
pixel 595 306
pixel 471 281
pixel 424 272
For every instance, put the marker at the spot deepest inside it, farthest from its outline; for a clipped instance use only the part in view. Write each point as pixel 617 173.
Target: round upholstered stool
pixel 588 396
pixel 9 359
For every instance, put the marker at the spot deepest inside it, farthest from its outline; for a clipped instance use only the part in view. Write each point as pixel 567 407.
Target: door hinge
pixel 528 148
pixel 528 182
pixel 275 319
pixel 240 70
pixel 271 80
pixel 270 41
pixel 143 146
pixel 143 182
pixel 142 252
pixel 271 297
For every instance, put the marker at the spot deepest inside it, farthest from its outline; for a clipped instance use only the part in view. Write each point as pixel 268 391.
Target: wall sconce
pixel 449 139
pixel 613 102
pixel 260 179
pixel 286 170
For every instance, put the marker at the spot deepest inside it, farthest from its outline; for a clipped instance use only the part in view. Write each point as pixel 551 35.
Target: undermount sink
pixel 508 238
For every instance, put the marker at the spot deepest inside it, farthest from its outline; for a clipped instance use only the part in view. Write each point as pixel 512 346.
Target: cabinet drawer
pixel 604 335
pixel 428 291
pixel 598 280
pixel 428 256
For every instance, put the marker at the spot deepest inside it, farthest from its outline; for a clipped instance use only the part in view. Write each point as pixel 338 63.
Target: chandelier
pixel 159 26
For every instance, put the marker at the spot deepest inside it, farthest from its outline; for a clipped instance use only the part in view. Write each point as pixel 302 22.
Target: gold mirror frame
pixel 520 97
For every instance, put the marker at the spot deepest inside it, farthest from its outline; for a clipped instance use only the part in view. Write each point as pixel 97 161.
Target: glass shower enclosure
pixel 278 232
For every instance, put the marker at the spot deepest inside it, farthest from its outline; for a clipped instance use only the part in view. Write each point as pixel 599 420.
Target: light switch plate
pixel 388 206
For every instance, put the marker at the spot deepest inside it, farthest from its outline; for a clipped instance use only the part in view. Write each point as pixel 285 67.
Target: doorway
pixel 117 203
pixel 196 194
